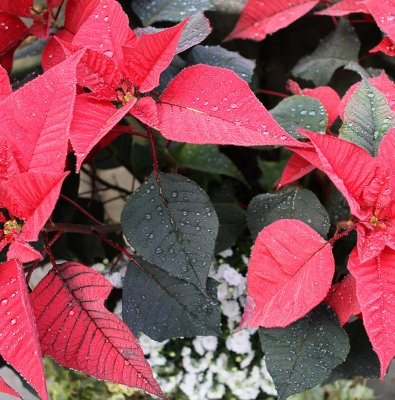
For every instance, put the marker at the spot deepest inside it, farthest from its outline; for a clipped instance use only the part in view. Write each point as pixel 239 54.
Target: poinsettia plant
pixel 154 101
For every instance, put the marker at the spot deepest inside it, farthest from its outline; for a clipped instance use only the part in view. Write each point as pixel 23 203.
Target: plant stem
pixel 76 205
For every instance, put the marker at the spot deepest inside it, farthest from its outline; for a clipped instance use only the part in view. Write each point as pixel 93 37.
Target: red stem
pixel 338 236
pixel 153 149
pixel 273 93
pixel 76 205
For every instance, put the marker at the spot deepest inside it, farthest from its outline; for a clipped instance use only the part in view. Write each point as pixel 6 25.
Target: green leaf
pixel 217 56
pixel 271 172
pixel 206 158
pixel 361 360
pixel 232 222
pixel 150 11
pixel 335 51
pixel 290 203
pixel 367 118
pixel 171 222
pixel 304 353
pixel 300 112
pixel 162 306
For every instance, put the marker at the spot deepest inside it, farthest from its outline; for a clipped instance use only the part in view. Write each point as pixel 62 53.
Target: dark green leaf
pixel 361 360
pixel 335 51
pixel 150 11
pixel 367 118
pixel 271 172
pixel 162 306
pixel 304 353
pixel 232 222
pixel 217 56
pixel 173 225
pixel 206 158
pixel 300 112
pixel 175 67
pixel 290 203
pixel 338 208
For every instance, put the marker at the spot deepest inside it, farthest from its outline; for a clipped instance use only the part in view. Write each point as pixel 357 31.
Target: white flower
pixel 202 344
pixel 245 259
pixel 226 253
pixel 239 342
pixel 267 384
pixel 148 345
pixel 223 291
pixel 247 360
pixel 115 279
pixel 99 267
pixel 118 309
pixel 233 277
pixel 216 391
pixel 231 309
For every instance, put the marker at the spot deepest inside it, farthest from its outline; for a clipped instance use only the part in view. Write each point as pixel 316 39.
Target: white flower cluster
pixel 211 367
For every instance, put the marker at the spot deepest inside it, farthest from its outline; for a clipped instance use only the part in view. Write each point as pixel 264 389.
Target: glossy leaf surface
pixel 78 332
pixel 163 306
pixel 303 354
pixel 171 222
pixel 290 272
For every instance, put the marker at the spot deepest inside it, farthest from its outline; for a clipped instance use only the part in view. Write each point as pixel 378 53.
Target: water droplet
pixel 106 19
pixel 174 194
pixel 71 313
pixel 233 105
pixel 4 302
pixel 148 216
pixel 13 321
pixel 215 108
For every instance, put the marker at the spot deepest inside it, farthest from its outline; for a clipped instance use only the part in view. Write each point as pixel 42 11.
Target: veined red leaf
pixel 386 153
pixel 343 299
pixel 4 388
pixel 263 17
pixel 77 331
pixel 77 12
pixel 31 196
pixel 22 251
pixel 54 3
pixel 348 166
pixel 92 120
pixel 53 52
pixel 20 7
pixel 106 30
pixel 36 118
pixel 296 168
pixel 386 46
pixel 95 71
pixel 146 111
pixel 375 284
pixel 380 82
pixel 211 105
pixel 290 272
pixel 150 56
pixel 345 7
pixel 383 13
pixel 5 87
pixel 19 344
pixel 8 164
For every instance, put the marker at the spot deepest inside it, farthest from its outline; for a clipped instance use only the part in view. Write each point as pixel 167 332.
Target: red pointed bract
pixel 20 7
pixel 105 30
pixel 5 87
pixel 4 388
pixel 348 166
pixel 19 344
pixel 290 272
pixel 375 284
pixel 383 13
pixel 211 105
pixel 296 168
pixel 77 331
pixel 31 196
pixel 386 46
pixel 343 299
pixel 150 56
pixel 36 118
pixel 146 111
pixel 345 7
pixel 92 120
pixel 263 17
pixel 22 251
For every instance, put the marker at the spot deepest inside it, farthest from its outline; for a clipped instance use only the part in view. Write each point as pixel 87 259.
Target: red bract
pixel 296 168
pixel 383 13
pixel 386 46
pixel 375 282
pixel 365 181
pixel 19 344
pixel 79 332
pixel 343 299
pixel 36 119
pixel 290 272
pixel 345 7
pixel 214 105
pixel 4 388
pixel 260 18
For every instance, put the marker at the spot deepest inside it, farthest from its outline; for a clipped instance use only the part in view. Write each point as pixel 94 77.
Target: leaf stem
pixel 338 236
pixel 84 229
pixel 273 93
pixel 76 205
